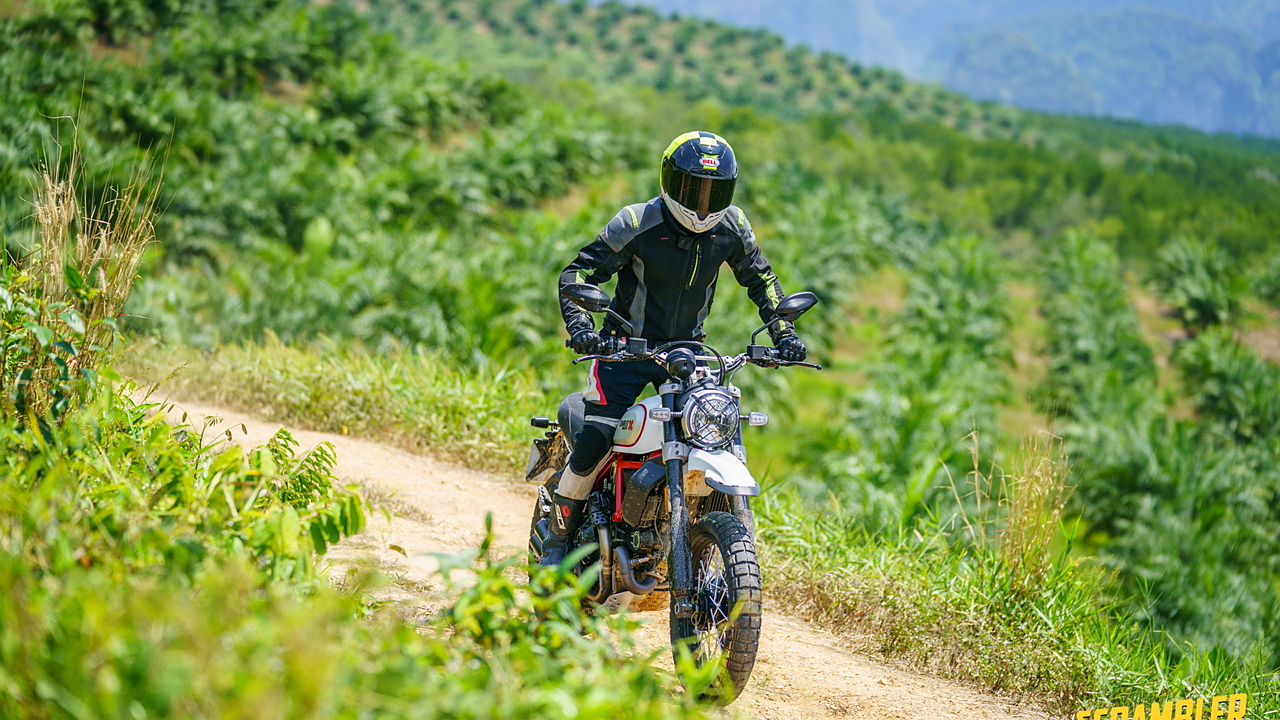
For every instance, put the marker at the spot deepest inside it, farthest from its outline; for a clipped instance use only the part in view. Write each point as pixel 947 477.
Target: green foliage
pixel 61 302
pixel 1036 629
pixel 229 644
pixel 888 459
pixel 114 489
pixel 42 370
pixel 1266 281
pixel 1232 387
pixel 1181 510
pixel 1096 351
pixel 1198 279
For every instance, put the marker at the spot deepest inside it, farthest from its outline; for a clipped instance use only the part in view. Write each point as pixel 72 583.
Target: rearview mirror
pixel 795 305
pixel 587 297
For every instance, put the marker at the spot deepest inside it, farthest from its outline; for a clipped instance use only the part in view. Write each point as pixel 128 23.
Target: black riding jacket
pixel 667 276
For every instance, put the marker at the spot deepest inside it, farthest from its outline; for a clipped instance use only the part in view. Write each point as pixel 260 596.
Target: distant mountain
pixel 1209 65
pixel 1142 64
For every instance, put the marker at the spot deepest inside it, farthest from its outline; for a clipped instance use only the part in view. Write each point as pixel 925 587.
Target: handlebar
pixel 758 355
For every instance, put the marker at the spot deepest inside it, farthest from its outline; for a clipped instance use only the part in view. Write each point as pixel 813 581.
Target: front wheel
pixel 726 597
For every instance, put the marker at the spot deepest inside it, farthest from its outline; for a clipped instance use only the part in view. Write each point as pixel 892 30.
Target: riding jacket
pixel 667 276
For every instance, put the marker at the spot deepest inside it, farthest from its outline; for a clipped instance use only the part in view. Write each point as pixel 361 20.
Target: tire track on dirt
pixel 802 673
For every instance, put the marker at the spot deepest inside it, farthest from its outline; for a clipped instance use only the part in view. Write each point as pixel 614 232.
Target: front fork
pixel 741 504
pixel 674 455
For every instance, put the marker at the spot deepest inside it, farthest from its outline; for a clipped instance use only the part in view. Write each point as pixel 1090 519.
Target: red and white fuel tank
pixel 638 433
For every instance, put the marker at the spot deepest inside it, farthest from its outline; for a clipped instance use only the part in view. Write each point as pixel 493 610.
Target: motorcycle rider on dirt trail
pixel 667 254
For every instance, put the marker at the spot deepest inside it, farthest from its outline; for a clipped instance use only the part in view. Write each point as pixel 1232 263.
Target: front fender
pixel 723 471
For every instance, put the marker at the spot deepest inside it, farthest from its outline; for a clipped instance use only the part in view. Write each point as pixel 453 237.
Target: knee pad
pixel 590 446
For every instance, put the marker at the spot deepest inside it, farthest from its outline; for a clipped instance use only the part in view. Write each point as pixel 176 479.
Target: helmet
pixel 699 173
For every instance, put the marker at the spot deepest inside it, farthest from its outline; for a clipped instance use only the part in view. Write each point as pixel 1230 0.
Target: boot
pixel 567 516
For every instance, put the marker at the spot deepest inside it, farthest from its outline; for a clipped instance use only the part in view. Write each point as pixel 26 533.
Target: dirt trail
pixel 802 673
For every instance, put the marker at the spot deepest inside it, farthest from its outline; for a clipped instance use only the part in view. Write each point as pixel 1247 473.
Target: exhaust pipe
pixel 628 577
pixel 606 566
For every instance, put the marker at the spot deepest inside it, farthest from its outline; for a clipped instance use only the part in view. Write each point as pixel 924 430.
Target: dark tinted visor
pixel 702 195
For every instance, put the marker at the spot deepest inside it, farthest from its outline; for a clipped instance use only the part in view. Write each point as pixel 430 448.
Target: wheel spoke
pixel 713 603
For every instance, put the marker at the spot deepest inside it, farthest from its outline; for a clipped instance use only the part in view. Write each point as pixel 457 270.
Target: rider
pixel 667 254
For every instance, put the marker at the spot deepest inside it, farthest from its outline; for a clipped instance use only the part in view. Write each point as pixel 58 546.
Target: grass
pixel 996 604
pixel 418 402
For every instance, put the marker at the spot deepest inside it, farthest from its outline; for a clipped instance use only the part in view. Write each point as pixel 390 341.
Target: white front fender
pixel 723 471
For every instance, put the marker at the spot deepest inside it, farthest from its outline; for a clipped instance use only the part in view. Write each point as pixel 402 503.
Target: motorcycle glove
pixel 791 348
pixel 585 341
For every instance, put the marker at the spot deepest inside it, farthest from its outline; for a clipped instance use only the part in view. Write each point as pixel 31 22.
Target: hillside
pixel 904 35
pixel 1203 65
pixel 365 207
pixel 1183 72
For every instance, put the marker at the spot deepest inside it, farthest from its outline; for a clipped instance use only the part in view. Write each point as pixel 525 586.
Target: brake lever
pixel 784 363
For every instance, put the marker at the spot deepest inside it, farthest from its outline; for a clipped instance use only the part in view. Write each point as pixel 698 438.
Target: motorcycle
pixel 671 507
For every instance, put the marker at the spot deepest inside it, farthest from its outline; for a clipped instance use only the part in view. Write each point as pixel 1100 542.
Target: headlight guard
pixel 710 418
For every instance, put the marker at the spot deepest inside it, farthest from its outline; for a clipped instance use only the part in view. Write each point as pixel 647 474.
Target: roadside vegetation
pixel 153 571
pixel 364 210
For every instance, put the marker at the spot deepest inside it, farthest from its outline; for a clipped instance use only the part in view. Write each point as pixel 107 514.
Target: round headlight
pixel 710 418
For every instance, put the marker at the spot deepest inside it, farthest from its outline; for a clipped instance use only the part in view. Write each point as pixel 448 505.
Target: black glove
pixel 791 348
pixel 585 341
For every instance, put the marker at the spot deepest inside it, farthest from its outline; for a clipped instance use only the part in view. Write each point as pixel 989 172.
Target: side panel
pixel 637 434
pixel 723 471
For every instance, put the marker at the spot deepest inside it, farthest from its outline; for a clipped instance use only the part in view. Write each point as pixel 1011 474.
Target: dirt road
pixel 802 673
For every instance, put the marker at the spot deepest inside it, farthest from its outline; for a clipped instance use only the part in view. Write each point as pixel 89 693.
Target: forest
pixel 361 212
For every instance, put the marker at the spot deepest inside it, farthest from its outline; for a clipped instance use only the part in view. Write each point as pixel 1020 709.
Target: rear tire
pixel 541 511
pixel 726 596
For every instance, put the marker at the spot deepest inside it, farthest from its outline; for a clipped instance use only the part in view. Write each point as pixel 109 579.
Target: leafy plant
pixel 60 303
pixel 1097 354
pixel 1198 279
pixel 935 386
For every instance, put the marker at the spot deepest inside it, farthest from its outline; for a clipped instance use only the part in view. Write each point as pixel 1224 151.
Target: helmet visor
pixel 702 195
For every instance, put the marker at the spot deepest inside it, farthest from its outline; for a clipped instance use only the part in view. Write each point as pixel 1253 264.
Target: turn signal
pixel 756 419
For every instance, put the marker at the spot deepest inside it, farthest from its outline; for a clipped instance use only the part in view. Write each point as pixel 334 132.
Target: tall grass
pixel 1002 605
pixel 62 299
pixel 418 401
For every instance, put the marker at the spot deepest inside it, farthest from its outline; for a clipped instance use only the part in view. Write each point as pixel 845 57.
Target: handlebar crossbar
pixel 730 364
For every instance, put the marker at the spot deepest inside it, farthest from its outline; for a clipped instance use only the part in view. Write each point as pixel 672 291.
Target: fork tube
pixel 741 504
pixel 681 565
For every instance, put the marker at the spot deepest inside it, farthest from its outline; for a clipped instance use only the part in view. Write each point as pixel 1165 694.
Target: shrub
pixel 1266 282
pixel 1197 277
pixel 1096 353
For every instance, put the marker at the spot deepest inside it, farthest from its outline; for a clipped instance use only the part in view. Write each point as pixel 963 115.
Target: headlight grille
pixel 710 418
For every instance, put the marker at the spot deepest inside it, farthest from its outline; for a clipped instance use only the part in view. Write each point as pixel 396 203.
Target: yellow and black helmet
pixel 699 173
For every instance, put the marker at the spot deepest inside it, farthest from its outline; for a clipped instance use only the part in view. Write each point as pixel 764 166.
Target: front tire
pixel 726 596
